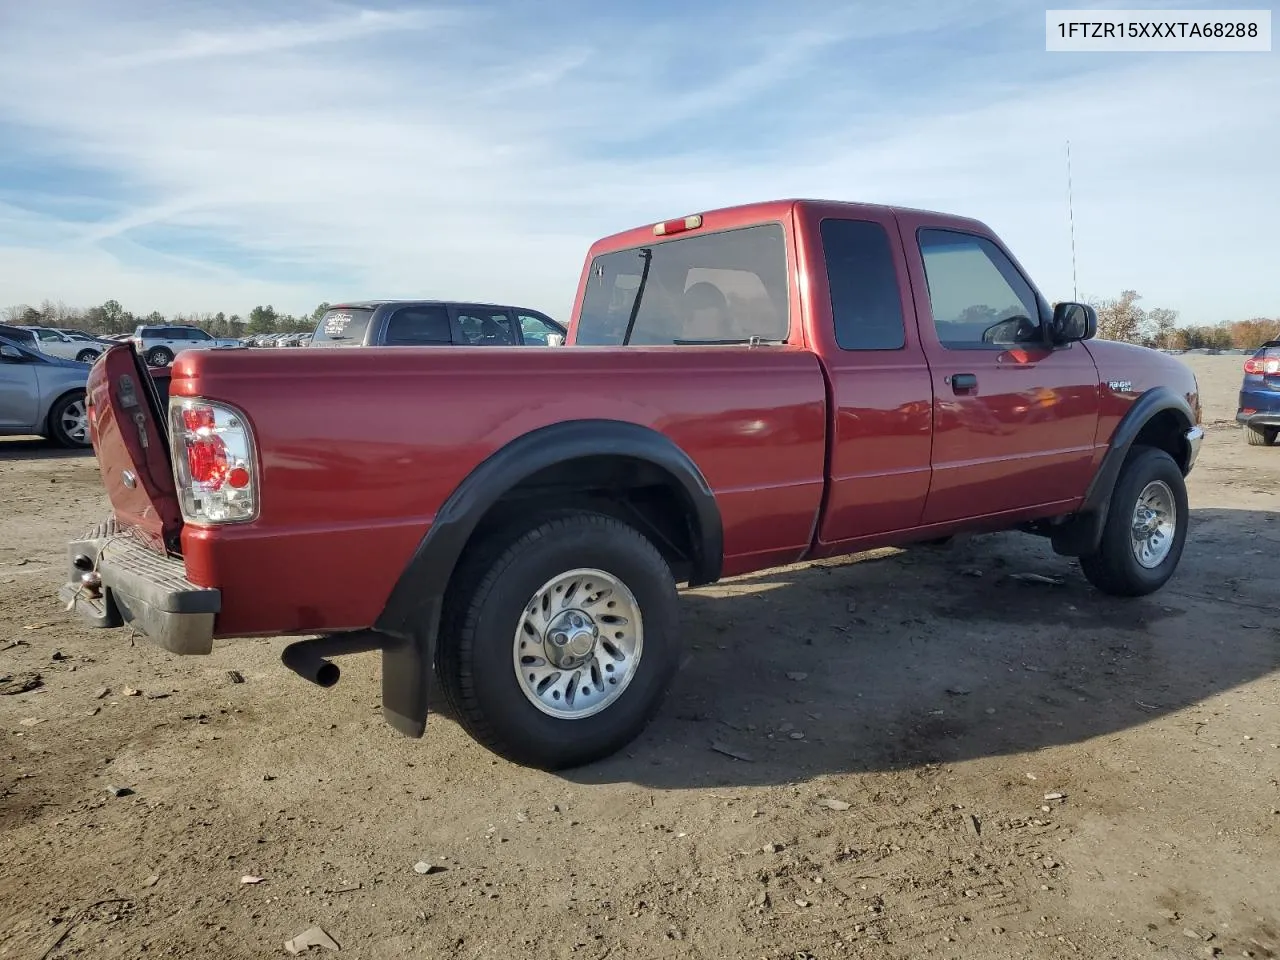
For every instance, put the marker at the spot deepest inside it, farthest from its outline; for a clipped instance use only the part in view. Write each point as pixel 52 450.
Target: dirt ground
pixel 902 718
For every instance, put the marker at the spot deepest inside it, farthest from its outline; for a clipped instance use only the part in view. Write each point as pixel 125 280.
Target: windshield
pixel 725 287
pixel 342 326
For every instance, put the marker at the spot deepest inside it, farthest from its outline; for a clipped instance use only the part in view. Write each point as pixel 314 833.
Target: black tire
pixel 159 357
pixel 475 655
pixel 1114 568
pixel 1260 436
pixel 57 427
pixel 87 356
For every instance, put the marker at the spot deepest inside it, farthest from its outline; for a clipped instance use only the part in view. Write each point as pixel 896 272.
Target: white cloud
pixel 426 153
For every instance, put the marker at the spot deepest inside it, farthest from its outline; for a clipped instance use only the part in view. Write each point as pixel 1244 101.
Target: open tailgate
pixel 128 426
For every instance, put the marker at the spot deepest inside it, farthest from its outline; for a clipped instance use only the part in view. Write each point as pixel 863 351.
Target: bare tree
pixel 1161 322
pixel 1121 319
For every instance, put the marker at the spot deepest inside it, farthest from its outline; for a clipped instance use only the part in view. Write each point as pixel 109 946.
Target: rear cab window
pixel 725 287
pixel 342 327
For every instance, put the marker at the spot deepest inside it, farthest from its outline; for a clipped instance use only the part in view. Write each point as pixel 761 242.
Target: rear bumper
pixel 114 580
pixel 1259 418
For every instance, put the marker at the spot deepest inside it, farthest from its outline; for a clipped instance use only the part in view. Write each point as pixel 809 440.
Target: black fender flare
pixel 412 611
pixel 1082 535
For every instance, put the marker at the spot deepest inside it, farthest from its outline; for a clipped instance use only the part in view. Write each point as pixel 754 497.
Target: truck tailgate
pixel 130 438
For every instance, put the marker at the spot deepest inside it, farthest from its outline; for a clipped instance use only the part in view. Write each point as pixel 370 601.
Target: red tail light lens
pixel 198 418
pixel 213 458
pixel 207 460
pixel 1262 366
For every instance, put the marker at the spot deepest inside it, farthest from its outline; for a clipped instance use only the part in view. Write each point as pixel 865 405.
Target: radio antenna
pixel 1071 217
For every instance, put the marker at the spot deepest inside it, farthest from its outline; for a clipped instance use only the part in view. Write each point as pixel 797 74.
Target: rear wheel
pixel 561 642
pixel 1145 529
pixel 159 356
pixel 69 421
pixel 1260 436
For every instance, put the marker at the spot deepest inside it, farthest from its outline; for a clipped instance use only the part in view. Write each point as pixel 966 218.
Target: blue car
pixel 1259 410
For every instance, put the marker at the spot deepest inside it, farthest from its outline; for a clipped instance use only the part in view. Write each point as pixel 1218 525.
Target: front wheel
pixel 87 356
pixel 1145 529
pixel 562 641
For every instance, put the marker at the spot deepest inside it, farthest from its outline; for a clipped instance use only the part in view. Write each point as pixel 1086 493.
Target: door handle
pixel 963 381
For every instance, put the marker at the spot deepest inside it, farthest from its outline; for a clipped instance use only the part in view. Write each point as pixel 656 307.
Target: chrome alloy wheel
pixel 578 644
pixel 75 421
pixel 1155 519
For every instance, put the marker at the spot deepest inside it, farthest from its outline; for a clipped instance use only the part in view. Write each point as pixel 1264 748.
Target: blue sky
pixel 199 156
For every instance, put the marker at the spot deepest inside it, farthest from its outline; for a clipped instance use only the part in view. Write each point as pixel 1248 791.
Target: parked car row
pixel 276 340
pixel 44 370
pixel 43 394
pixel 421 323
pixel 56 342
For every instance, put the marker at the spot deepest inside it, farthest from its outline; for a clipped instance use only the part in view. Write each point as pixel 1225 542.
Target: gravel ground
pixel 933 759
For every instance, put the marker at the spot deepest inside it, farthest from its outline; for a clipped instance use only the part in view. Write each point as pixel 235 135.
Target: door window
pixel 486 328
pixel 534 329
pixel 978 299
pixel 419 326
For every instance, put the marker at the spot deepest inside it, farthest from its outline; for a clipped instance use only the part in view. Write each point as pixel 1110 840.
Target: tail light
pixel 213 462
pixel 1262 366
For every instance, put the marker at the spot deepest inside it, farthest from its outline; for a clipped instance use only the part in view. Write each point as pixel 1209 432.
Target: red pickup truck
pixel 740 389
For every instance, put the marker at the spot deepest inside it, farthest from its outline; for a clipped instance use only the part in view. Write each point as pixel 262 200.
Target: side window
pixel 979 301
pixel 419 326
pixel 486 328
pixel 169 333
pixel 866 305
pixel 49 335
pixel 534 329
pixel 195 333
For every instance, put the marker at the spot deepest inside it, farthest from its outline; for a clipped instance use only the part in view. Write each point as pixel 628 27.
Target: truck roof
pixel 727 218
pixel 374 304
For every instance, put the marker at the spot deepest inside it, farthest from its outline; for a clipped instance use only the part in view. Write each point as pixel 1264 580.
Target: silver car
pixel 42 395
pixel 57 343
pixel 160 343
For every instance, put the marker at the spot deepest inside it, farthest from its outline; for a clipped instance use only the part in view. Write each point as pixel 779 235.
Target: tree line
pixel 1119 318
pixel 111 317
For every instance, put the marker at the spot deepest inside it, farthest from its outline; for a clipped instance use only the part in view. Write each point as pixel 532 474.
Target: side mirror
pixel 555 339
pixel 11 353
pixel 1072 322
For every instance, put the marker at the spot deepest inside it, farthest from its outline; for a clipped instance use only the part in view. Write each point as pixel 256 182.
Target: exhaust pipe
pixel 308 658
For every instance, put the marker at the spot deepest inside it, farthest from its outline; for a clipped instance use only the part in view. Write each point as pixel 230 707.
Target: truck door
pixel 1014 419
pixel 864 326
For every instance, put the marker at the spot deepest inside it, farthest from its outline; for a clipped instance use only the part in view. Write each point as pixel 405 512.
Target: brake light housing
pixel 1262 366
pixel 214 462
pixel 668 227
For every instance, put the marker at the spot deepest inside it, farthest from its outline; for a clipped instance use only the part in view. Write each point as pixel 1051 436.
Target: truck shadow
pixel 942 655
pixel 35 448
